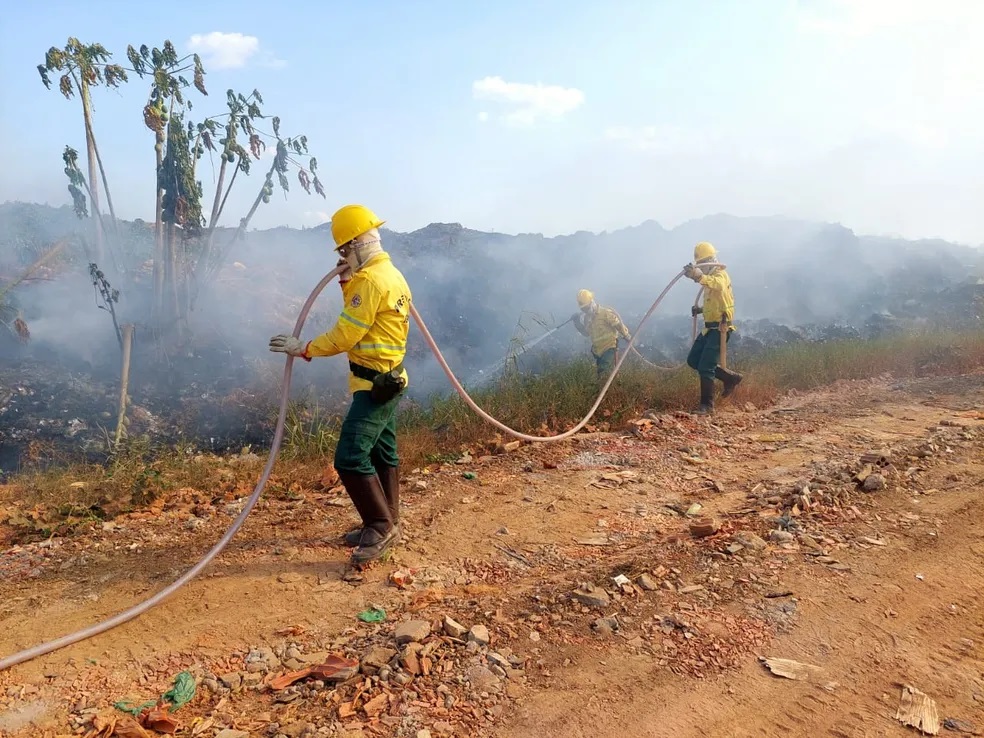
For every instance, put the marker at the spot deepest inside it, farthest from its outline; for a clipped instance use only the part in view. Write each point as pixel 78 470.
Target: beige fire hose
pixel 141 607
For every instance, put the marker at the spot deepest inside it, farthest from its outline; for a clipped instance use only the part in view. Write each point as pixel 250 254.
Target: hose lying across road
pixel 278 436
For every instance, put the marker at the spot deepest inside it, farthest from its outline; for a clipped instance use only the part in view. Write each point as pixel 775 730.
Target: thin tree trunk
pixel 105 182
pixel 159 242
pixel 173 288
pixel 90 145
pixel 216 202
pixel 124 382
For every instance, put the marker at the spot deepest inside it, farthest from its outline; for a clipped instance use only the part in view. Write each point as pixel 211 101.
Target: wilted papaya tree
pixel 177 195
pixel 188 256
pixel 83 66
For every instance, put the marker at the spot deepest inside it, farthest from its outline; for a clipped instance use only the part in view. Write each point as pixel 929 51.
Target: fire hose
pixel 693 337
pixel 278 436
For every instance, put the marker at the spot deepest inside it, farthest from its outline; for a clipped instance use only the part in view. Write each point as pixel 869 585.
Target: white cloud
pixel 230 50
pixel 528 103
pixel 483 117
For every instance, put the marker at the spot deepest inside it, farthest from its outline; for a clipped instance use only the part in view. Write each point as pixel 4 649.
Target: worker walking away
pixel 604 327
pixel 372 330
pixel 718 311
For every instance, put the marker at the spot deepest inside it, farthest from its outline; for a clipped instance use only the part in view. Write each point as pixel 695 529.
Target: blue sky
pixel 549 116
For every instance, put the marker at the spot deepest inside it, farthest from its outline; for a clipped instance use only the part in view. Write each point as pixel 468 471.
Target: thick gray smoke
pixel 481 294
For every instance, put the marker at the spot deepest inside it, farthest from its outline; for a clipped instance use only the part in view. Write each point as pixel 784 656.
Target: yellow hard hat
pixel 704 251
pixel 351 222
pixel 584 298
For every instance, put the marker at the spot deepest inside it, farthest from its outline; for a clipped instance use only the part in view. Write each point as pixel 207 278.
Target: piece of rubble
pixel 261 659
pixel 299 728
pixel 647 583
pixel 605 626
pixel 453 628
pixel 960 726
pixel 377 658
pixel 781 536
pixel 376 705
pixel 231 733
pixel 233 680
pixel 749 540
pixel 591 596
pixel 482 679
pixel 918 710
pixel 874 483
pixel 791 669
pixel 412 631
pixel 703 527
pixel 479 634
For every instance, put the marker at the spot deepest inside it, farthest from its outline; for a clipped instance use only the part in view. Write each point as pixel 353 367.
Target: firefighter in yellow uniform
pixel 719 313
pixel 372 330
pixel 604 327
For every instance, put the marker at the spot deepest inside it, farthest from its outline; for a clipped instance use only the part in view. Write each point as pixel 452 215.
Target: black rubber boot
pixel 730 379
pixel 389 478
pixel 378 531
pixel 706 397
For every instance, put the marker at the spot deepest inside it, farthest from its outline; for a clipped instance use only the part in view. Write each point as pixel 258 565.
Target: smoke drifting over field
pixel 481 295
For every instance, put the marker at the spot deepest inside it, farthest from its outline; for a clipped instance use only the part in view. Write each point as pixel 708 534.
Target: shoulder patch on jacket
pixel 356 301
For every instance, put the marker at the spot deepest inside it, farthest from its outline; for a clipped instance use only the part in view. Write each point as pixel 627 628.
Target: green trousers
pixel 706 353
pixel 368 437
pixel 605 363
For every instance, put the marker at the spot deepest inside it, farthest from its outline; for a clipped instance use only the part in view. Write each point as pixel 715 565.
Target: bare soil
pixel 876 588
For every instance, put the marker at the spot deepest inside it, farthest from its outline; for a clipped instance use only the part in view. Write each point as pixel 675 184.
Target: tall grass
pixel 560 395
pixel 545 403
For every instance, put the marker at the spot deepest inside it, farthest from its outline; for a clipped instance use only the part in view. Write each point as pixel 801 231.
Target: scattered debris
pixel 790 669
pixel 918 710
pixel 960 726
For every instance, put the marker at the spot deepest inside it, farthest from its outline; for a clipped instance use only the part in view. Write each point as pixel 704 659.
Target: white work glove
pixel 287 345
pixel 692 272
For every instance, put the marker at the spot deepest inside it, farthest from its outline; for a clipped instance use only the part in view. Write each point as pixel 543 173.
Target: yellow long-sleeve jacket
pixel 603 328
pixel 374 323
pixel 719 301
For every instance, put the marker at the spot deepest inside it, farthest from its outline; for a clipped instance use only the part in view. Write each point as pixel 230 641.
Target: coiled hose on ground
pixel 278 436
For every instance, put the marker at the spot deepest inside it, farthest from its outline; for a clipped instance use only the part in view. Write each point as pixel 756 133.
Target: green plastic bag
pixel 179 695
pixel 373 615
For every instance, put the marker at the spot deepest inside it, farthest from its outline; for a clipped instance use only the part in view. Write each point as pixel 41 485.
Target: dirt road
pixel 874 588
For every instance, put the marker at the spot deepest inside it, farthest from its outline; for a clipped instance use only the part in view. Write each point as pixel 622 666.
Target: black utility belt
pixel 385 385
pixel 364 372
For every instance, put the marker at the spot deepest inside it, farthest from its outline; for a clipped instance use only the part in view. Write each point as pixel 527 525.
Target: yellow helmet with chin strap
pixel 352 221
pixel 584 298
pixel 704 251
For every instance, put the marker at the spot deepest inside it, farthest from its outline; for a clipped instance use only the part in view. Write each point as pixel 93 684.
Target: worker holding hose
pixel 718 311
pixel 372 330
pixel 604 327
